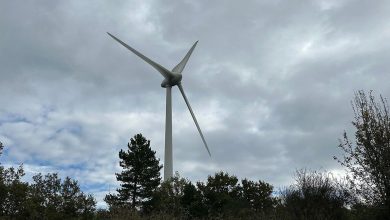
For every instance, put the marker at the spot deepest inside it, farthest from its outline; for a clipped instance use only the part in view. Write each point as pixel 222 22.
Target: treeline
pixel 222 196
pixel 314 195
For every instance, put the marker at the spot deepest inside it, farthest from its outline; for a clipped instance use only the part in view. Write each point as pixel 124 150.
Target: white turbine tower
pixel 171 78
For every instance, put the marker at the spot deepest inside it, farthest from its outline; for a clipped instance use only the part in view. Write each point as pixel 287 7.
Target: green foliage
pixel 258 195
pixel 45 198
pixel 13 192
pixel 192 202
pixel 51 198
pixel 74 202
pixel 221 194
pixel 220 197
pixel 368 158
pixel 118 213
pixel 140 176
pixel 167 198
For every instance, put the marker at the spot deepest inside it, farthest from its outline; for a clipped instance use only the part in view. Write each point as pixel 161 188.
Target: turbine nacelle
pixel 173 80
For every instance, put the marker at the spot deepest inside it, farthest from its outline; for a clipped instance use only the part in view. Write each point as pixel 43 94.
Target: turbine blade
pixel 180 67
pixel 166 73
pixel 193 117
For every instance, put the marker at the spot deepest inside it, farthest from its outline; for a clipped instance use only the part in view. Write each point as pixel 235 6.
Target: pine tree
pixel 140 176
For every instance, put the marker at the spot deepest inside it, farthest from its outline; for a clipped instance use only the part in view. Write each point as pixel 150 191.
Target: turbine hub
pixel 172 81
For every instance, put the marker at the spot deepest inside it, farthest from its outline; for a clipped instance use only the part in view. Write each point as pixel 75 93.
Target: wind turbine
pixel 171 78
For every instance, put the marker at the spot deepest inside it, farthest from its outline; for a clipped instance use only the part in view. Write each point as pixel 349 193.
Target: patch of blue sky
pixel 5 154
pixel 55 166
pixel 41 163
pixel 46 110
pixel 44 163
pixel 45 167
pixel 74 166
pixel 96 187
pixel 9 117
pixel 71 128
pixel 13 118
pixel 44 113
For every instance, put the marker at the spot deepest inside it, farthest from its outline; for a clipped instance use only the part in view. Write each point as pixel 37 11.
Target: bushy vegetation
pixel 222 196
pixel 316 195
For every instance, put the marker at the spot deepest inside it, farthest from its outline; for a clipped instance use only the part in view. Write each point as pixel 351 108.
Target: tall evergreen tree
pixel 140 176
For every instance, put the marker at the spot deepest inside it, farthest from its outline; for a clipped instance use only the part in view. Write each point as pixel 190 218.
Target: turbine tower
pixel 171 78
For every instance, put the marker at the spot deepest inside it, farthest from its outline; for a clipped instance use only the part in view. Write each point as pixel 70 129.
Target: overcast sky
pixel 270 83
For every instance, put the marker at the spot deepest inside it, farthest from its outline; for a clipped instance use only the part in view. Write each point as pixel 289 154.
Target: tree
pixel 167 198
pixel 74 202
pixel 12 192
pixel 315 195
pixel 368 157
pixel 258 195
pixel 51 198
pixel 222 194
pixel 140 176
pixel 44 196
pixel 193 202
pixel 44 192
